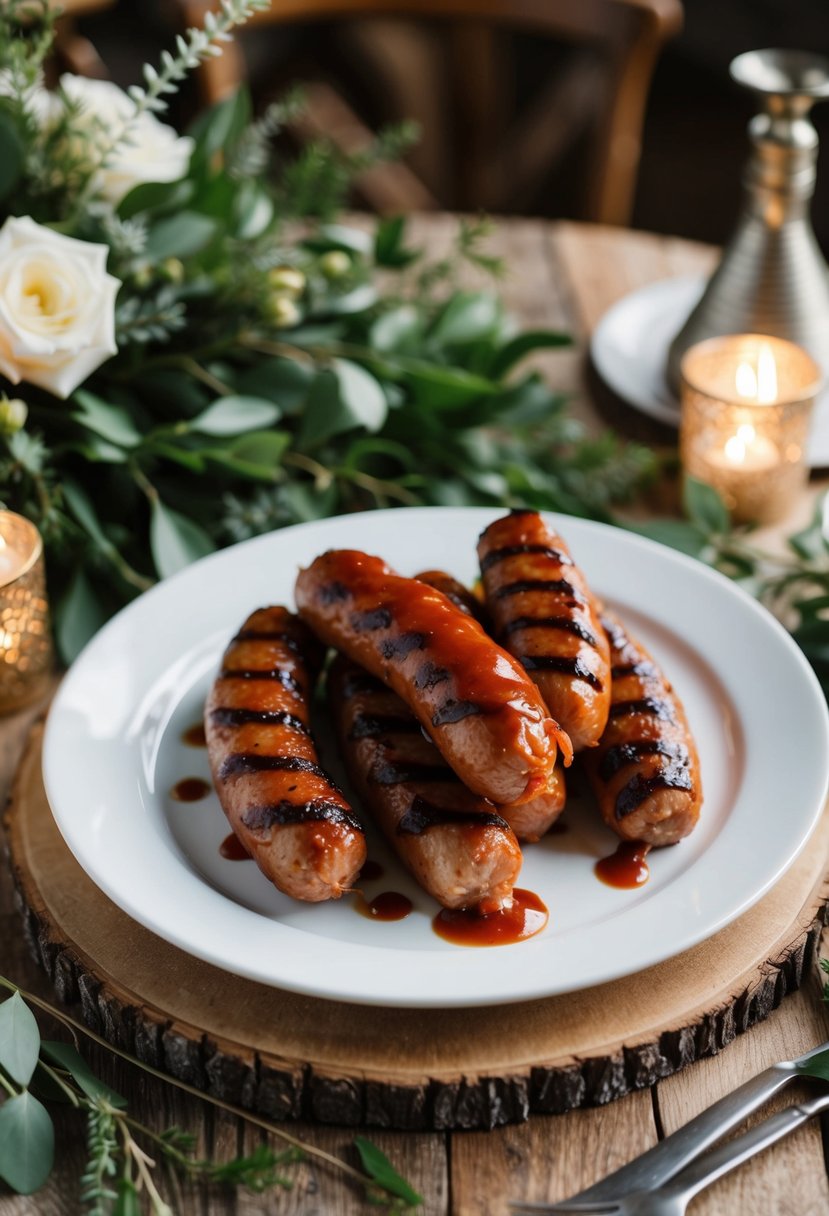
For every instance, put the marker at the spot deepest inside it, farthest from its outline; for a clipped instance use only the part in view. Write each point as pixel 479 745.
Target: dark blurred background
pixel 511 118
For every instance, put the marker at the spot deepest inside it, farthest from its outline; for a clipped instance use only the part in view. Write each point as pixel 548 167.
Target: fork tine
pixel 587 1207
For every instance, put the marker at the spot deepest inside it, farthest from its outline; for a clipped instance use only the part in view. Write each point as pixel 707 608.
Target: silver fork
pixel 673 1198
pixel 655 1166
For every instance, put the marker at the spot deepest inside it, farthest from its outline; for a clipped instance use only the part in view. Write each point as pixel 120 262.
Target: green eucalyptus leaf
pixel 810 543
pixel 19 1039
pixel 80 505
pixel 380 1169
pixel 337 236
pixel 256 457
pixel 175 540
pixel 305 502
pixel 186 457
pixel 444 387
pixel 127 1199
pixel 675 533
pixel 389 249
pixel 286 381
pixel 111 422
pixel 817 1066
pixel 467 317
pixel 361 394
pixel 78 617
pixel 358 300
pixel 67 1057
pixel 27 1143
pixel 219 127
pixel 397 330
pixel 704 507
pixel 341 399
pixel 181 235
pixel 155 196
pixel 233 415
pixel 513 351
pixel 253 211
pixel 12 154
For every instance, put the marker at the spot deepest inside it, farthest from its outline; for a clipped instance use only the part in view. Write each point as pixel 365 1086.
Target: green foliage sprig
pixel 120 1168
pixel 794 584
pixel 273 365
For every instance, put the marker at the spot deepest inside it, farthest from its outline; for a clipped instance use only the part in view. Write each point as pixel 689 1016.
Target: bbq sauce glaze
pixel 527 916
pixel 627 867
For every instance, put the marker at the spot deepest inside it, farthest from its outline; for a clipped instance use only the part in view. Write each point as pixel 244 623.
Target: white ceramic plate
pixel 629 349
pixel 114 750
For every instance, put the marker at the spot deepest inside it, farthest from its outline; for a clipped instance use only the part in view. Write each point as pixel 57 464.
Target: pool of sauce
pixel 527 916
pixel 389 905
pixel 190 789
pixel 627 867
pixel 371 870
pixel 194 736
pixel 232 849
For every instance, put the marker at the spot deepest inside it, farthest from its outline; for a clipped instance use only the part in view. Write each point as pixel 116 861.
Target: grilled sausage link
pixel 454 843
pixel 528 820
pixel 460 595
pixel 645 771
pixel 544 614
pixel 297 826
pixel 485 716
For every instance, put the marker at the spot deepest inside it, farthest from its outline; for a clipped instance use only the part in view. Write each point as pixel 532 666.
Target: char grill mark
pixel 273 814
pixel 253 762
pixel 399 648
pixel 550 622
pixel 423 815
pixel 632 795
pixel 569 667
pixel 370 622
pixel 333 593
pixel 224 716
pixel 454 711
pixel 499 555
pixel 645 670
pixel 429 676
pixel 387 772
pixel 275 673
pixel 647 705
pixel 546 585
pixel 374 726
pixel 615 758
pixel 267 635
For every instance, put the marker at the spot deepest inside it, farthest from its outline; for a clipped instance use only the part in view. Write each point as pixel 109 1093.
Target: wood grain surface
pixel 561 275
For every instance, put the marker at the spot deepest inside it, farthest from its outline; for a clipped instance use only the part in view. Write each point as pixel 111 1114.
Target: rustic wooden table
pixel 562 275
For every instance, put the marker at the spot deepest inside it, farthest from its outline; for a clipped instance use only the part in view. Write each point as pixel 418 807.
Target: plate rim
pixel 477 516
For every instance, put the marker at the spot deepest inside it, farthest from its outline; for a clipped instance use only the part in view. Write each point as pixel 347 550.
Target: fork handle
pixel 701 1173
pixel 664 1160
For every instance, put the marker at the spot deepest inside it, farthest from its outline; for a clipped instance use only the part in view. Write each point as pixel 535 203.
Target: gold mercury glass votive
pixel 746 407
pixel 25 636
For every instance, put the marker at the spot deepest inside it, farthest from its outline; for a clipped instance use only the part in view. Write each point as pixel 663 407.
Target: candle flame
pixel 758 384
pixel 737 446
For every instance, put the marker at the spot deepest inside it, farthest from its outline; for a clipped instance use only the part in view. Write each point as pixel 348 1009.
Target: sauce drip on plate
pixel 194 736
pixel 232 849
pixel 371 870
pixel 527 916
pixel 190 789
pixel 627 867
pixel 389 905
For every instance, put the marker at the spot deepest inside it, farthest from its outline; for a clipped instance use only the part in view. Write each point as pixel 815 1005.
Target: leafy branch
pixel 119 1167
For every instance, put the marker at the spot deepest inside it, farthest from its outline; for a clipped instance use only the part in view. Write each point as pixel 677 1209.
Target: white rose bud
pixel 13 415
pixel 57 307
pixel 287 279
pixel 335 264
pixel 151 150
pixel 283 312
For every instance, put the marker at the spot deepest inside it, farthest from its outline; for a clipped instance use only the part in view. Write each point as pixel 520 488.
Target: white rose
pixel 57 307
pixel 151 151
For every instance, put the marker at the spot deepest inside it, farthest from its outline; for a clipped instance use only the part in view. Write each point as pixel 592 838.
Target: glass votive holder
pixel 746 408
pixel 25 637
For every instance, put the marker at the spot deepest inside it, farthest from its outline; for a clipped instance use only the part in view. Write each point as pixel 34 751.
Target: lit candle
pixel 746 408
pixel 25 637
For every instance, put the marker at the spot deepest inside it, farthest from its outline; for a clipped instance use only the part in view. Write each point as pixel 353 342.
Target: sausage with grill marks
pixel 528 820
pixel 296 825
pixel 455 843
pixel 472 698
pixel 544 614
pixel 645 771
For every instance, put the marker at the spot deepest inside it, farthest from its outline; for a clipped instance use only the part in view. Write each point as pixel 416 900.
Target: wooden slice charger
pixel 288 1056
